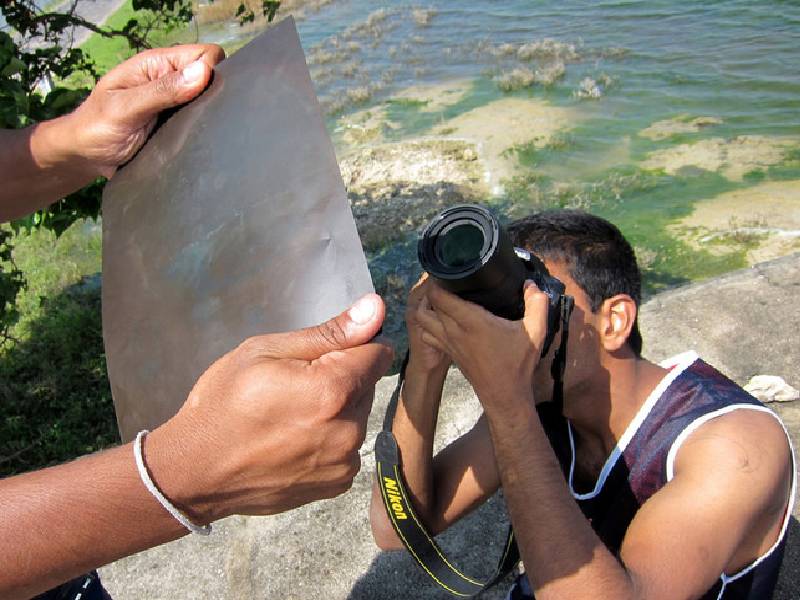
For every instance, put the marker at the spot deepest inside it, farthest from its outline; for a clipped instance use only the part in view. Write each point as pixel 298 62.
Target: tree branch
pixel 137 42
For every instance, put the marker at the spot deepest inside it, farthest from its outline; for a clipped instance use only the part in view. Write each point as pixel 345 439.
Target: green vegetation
pixel 53 386
pixel 412 120
pixel 524 153
pixel 413 103
pixel 54 391
pixel 642 204
pixel 56 401
pixel 109 52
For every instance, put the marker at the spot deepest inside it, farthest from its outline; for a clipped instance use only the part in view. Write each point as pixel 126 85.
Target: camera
pixel 469 254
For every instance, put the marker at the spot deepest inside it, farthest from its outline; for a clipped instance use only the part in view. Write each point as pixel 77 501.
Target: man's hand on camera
pixel 423 357
pixel 497 356
pixel 115 120
pixel 277 422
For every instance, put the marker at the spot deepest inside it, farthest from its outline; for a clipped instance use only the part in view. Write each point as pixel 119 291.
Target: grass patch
pixel 789 169
pixel 55 400
pixel 413 103
pixel 53 264
pixel 525 153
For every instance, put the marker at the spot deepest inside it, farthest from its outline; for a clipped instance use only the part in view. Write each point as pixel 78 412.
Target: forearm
pixel 38 166
pixel 60 522
pixel 414 426
pixel 563 556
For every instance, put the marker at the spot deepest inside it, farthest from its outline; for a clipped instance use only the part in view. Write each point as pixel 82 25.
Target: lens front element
pixel 460 244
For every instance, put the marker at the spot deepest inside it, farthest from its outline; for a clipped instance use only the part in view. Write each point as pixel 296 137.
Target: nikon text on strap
pixel 415 537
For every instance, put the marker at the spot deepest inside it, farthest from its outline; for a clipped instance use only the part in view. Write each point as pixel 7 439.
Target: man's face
pixel 583 347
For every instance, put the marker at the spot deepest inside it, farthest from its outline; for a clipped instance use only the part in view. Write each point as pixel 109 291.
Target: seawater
pixel 735 61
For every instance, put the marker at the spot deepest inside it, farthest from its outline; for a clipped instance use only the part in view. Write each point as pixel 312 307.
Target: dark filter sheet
pixel 232 221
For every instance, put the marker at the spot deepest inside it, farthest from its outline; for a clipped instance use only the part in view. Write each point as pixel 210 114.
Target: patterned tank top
pixel 691 394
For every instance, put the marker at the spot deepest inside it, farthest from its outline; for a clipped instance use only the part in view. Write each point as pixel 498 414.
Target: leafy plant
pixel 245 13
pixel 39 69
pixel 54 392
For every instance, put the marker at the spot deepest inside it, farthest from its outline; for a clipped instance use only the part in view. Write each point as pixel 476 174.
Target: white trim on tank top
pixel 691 428
pixel 678 364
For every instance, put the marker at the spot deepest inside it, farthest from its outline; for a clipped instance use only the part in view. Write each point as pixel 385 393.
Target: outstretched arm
pixel 272 425
pixel 43 163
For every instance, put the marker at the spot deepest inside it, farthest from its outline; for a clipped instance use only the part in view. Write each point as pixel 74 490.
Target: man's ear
pixel 618 318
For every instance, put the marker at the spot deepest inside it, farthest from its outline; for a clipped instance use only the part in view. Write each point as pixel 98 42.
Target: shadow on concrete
pixel 788 587
pixel 473 544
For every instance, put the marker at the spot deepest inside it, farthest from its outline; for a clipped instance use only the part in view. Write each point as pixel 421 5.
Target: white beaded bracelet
pixel 151 487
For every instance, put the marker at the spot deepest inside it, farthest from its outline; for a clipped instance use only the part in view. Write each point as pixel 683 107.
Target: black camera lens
pixel 468 253
pixel 465 248
pixel 460 244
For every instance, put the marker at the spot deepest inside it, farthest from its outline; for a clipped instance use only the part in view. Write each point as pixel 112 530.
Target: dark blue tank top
pixel 691 394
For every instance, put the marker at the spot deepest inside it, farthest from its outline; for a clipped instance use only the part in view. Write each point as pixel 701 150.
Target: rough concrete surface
pixel 744 323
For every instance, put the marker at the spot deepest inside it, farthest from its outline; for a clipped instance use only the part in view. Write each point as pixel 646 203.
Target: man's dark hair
pixel 597 256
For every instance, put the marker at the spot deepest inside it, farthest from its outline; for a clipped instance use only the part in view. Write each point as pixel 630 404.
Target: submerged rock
pixel 661 130
pixel 499 126
pixel 516 79
pixel 548 48
pixel 395 188
pixel 732 158
pixel 592 89
pixel 435 97
pixel 763 220
pixel 523 77
pixel 422 16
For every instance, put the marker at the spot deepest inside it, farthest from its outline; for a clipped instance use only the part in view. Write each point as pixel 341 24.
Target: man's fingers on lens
pixel 455 327
pixel 536 301
pixel 443 301
pixel 428 319
pixel 434 342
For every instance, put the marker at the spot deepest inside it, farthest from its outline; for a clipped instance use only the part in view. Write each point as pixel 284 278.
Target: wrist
pixel 55 147
pixel 181 474
pixel 508 410
pixel 424 371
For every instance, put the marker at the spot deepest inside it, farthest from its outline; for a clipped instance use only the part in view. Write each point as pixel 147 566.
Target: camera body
pixel 468 253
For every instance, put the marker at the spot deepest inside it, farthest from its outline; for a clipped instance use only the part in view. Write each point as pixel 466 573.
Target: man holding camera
pixel 645 481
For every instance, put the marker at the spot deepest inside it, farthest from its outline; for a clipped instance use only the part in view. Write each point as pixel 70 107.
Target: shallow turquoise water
pixel 736 61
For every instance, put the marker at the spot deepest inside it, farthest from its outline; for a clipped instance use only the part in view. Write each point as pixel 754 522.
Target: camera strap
pixel 566 304
pixel 412 533
pixel 415 537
